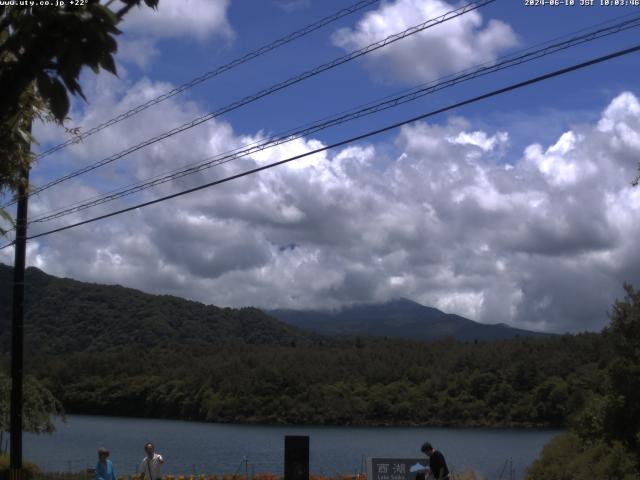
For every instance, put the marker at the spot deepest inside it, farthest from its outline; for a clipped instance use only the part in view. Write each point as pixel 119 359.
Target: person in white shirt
pixel 150 465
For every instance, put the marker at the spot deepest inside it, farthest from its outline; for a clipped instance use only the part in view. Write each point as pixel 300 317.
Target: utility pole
pixel 17 330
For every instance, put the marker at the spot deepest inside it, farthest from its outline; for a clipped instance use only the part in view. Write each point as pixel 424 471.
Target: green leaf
pixel 108 64
pixel 59 101
pixel 105 14
pixel 6 216
pixel 44 85
pixel 24 135
pixel 110 42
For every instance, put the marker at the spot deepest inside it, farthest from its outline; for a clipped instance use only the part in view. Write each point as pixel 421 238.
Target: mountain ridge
pixel 398 318
pixel 66 315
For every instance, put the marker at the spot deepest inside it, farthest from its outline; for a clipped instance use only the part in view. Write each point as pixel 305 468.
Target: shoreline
pixel 195 446
pixel 380 425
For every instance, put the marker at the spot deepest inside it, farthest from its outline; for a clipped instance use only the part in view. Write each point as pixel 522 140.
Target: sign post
pixel 395 468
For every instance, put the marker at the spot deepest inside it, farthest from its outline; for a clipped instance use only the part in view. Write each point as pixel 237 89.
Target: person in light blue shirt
pixel 104 468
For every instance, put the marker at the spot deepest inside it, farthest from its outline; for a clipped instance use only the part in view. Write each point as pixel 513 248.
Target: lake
pixel 193 447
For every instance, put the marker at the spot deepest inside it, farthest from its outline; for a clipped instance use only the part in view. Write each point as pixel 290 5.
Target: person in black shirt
pixel 437 463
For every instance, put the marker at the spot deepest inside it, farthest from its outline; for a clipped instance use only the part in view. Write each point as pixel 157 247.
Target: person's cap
pixel 426 447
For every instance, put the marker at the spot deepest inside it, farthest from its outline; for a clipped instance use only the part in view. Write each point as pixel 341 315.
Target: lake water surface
pixel 190 447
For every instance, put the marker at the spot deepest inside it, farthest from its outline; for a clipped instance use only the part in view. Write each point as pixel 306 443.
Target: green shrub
pixel 31 470
pixel 567 457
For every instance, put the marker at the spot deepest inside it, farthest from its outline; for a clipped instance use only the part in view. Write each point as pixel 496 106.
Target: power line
pixel 213 73
pixel 522 56
pixel 268 91
pixel 387 103
pixel 363 136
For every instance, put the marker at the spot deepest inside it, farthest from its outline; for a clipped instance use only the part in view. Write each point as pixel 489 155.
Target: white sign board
pixel 395 468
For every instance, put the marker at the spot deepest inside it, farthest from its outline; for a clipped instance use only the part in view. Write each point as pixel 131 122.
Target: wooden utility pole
pixel 17 330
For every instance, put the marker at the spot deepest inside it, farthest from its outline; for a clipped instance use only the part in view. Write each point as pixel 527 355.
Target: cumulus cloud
pixel 452 46
pixel 198 20
pixel 541 238
pixel 182 18
pixel 140 51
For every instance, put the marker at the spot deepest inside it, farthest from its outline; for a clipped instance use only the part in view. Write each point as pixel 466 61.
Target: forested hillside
pixel 64 315
pixel 115 351
pixel 518 382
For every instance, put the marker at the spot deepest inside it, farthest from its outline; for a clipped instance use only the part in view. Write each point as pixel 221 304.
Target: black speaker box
pixel 296 457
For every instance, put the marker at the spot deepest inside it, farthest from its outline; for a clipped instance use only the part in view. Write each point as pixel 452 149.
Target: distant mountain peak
pixel 398 317
pixel 403 301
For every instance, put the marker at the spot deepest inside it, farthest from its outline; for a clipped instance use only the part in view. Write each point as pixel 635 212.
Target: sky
pixel 518 209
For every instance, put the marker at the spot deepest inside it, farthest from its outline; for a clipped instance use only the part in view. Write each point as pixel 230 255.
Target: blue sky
pixel 258 23
pixel 518 209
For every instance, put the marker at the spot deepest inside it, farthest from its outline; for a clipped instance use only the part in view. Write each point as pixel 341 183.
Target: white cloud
pixel 558 164
pixel 543 241
pixel 181 18
pixel 141 51
pixel 484 142
pixel 199 20
pixel 449 47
